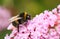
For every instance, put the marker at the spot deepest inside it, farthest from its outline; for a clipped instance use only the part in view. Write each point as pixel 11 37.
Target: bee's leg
pixel 18 28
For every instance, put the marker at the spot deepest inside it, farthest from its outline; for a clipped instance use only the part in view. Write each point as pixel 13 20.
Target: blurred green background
pixel 33 7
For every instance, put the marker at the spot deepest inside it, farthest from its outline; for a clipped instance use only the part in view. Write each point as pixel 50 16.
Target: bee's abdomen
pixel 15 23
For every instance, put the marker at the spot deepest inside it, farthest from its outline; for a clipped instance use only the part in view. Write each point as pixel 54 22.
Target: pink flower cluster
pixel 43 26
pixel 5 15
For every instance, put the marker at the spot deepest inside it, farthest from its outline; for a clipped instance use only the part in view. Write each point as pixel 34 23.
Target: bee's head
pixel 28 17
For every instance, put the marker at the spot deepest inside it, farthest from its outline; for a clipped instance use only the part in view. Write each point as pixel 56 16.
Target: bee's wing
pixel 14 18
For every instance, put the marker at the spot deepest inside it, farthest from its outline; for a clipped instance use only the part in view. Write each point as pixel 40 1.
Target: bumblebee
pixel 20 19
